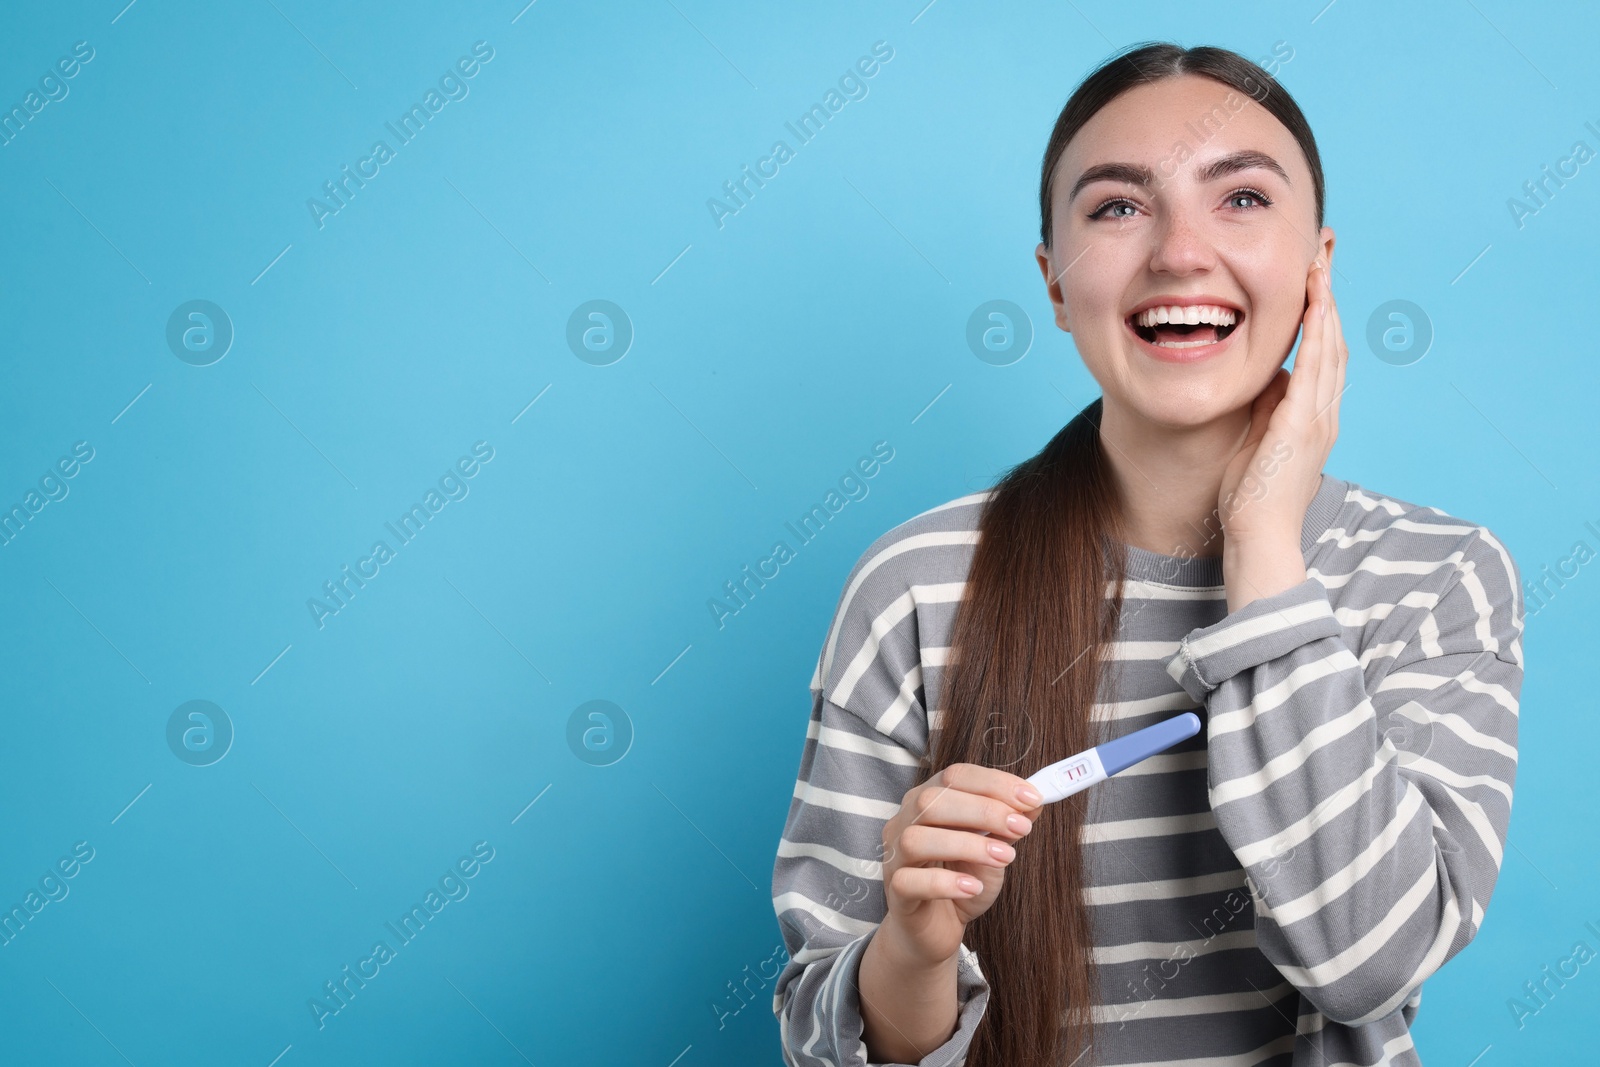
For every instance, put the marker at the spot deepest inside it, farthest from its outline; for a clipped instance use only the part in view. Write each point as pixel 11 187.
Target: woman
pixel 1276 889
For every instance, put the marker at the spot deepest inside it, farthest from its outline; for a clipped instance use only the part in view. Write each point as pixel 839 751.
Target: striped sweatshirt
pixel 1274 890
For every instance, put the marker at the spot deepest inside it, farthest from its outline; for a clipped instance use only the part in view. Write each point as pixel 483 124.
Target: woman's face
pixel 1179 193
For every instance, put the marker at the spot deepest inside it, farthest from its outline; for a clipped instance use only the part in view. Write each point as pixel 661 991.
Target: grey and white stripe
pixel 1273 891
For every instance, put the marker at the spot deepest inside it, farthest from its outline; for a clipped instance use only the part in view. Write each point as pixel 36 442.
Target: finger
pixel 1328 366
pixel 1261 409
pixel 1343 361
pixel 1313 329
pixel 915 884
pixel 956 810
pixel 1268 402
pixel 1321 379
pixel 989 782
pixel 922 846
pixel 939 805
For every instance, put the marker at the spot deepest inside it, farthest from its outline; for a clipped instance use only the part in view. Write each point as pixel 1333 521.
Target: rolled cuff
pixel 972 998
pixel 1262 630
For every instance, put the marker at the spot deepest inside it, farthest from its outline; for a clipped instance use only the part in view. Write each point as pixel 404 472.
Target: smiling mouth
pixel 1211 325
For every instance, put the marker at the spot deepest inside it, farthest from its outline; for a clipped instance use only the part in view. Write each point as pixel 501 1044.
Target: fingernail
pixel 1028 795
pixel 969 885
pixel 1002 852
pixel 1019 823
pixel 1324 309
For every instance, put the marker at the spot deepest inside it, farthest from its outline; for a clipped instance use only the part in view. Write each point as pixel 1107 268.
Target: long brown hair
pixel 1043 600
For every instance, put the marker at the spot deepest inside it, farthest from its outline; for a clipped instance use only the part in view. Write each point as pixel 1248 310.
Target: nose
pixel 1182 244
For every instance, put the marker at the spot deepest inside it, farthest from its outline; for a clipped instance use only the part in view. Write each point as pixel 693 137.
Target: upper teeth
pixel 1190 314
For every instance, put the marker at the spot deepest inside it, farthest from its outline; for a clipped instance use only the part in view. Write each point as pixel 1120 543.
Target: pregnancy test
pixel 1077 773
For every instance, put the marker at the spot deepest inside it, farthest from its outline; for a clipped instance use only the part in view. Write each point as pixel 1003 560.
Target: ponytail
pixel 1027 644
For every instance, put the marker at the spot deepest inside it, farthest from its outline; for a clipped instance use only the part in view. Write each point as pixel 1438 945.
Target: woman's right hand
pixel 939 870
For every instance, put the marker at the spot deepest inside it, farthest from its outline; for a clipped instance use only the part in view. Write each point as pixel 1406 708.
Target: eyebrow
pixel 1139 174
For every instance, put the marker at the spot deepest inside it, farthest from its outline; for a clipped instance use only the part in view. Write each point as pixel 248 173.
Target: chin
pixel 1186 406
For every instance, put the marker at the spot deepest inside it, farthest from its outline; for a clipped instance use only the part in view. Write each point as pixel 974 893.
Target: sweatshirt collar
pixel 1200 572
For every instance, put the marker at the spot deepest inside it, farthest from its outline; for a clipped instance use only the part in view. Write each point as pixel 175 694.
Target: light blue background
pixel 769 355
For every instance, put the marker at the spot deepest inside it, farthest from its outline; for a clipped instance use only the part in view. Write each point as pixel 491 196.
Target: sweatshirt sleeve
pixel 864 743
pixel 1368 799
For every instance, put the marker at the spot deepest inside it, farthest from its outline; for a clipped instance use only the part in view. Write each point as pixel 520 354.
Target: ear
pixel 1325 247
pixel 1052 284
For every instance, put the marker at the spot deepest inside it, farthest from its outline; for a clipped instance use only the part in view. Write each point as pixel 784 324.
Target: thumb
pixel 1262 408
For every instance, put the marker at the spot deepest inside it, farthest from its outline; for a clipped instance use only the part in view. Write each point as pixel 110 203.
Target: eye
pixel 1115 202
pixel 1249 194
